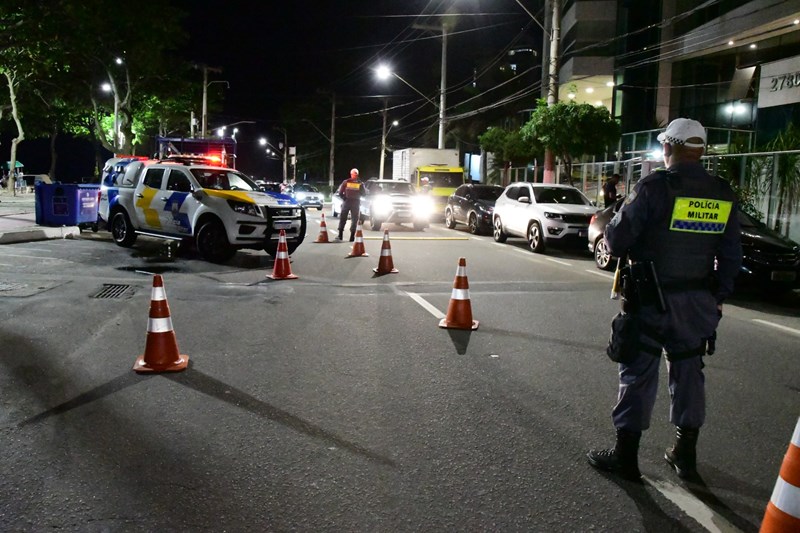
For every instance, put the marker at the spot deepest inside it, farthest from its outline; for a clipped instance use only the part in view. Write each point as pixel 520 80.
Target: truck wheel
pixel 212 242
pixel 449 219
pixel 498 233
pixel 535 238
pixel 375 224
pixel 122 230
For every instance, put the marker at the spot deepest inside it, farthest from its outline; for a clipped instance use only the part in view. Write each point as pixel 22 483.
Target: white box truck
pixel 432 171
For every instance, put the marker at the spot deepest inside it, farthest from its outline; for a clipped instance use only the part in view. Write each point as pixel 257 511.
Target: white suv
pixel 219 209
pixel 543 213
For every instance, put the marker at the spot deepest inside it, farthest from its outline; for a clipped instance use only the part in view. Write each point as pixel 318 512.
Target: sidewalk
pixel 18 221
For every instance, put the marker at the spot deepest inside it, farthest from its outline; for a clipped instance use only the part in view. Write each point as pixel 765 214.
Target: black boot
pixel 622 459
pixel 683 456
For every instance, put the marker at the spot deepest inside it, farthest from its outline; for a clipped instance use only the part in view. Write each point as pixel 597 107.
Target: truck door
pixel 148 202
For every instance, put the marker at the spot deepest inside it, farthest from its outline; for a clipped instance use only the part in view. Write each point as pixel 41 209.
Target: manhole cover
pixel 111 290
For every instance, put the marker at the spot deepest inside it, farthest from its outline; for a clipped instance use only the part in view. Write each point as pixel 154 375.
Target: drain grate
pixel 111 290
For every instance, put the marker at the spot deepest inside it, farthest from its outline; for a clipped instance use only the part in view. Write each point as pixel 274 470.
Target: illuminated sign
pixel 780 83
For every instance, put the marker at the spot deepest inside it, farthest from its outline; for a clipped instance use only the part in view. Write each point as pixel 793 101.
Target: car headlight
pixel 381 206
pixel 300 196
pixel 245 208
pixel 422 206
pixel 554 216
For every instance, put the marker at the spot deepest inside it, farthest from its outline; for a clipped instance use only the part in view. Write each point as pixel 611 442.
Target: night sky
pixel 280 55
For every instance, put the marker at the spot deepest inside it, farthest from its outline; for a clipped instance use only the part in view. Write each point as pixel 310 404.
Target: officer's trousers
pixel 352 207
pixel 691 317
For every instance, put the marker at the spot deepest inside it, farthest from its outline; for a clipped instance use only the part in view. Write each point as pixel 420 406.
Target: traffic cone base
pixel 161 348
pixel 459 310
pixel 358 245
pixel 282 268
pixel 385 263
pixel 323 231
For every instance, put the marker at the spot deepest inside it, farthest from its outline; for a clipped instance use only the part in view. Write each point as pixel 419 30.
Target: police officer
pixel 351 191
pixel 683 220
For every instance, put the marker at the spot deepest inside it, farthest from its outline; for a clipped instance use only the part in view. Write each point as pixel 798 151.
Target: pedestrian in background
pixel 351 190
pixel 683 221
pixel 610 190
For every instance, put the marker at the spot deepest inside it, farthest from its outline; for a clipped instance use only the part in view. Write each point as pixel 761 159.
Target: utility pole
pixel 206 70
pixel 332 139
pixel 383 138
pixel 552 92
pixel 443 89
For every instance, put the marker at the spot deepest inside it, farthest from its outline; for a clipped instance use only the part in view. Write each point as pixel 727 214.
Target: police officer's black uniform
pixel 351 191
pixel 684 221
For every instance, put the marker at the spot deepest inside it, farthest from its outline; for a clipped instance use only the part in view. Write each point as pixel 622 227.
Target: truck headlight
pixel 245 208
pixel 381 206
pixel 422 206
pixel 554 216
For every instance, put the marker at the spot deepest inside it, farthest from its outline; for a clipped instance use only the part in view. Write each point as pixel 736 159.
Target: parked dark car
pixel 472 204
pixel 770 260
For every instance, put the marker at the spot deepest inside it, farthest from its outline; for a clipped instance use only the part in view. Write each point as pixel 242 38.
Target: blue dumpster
pixel 66 204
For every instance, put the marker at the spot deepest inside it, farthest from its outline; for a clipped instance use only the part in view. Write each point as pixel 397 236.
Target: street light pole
pixel 384 134
pixel 443 88
pixel 206 83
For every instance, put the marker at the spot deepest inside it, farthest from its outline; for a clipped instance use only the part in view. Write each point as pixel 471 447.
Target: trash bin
pixel 66 204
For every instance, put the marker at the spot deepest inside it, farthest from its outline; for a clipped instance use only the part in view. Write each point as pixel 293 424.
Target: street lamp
pixel 383 72
pixel 109 88
pixel 272 150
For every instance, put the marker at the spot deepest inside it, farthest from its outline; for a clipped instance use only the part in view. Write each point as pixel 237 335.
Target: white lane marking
pixel 34 257
pixel 46 250
pixel 598 273
pixel 689 504
pixel 426 305
pixel 558 261
pixel 777 326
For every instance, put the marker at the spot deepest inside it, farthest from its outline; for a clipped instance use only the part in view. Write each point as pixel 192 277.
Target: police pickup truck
pixel 216 208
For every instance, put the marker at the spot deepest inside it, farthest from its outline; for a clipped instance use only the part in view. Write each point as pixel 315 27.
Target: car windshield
pixel 559 195
pixel 306 188
pixel 442 179
pixel 223 180
pixel 389 187
pixel 488 193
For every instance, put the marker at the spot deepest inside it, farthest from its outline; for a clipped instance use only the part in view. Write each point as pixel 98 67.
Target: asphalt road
pixel 334 402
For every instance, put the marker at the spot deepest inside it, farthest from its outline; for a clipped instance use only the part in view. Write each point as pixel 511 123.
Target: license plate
pixel 282 224
pixel 782 275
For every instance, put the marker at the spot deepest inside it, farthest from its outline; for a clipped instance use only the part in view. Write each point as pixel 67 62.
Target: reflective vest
pixel 351 189
pixel 687 230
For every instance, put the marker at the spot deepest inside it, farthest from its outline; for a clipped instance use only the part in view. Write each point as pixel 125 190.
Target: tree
pixel 508 146
pixel 571 130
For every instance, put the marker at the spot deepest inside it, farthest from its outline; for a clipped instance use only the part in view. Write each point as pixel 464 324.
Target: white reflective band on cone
pixel 461 272
pixel 460 294
pixel 786 497
pixel 282 255
pixel 159 325
pixel 386 253
pixel 796 435
pixel 159 294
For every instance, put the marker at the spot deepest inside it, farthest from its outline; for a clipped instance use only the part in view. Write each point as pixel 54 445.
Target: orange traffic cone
pixel 783 509
pixel 459 310
pixel 385 264
pixel 161 350
pixel 282 268
pixel 358 245
pixel 323 231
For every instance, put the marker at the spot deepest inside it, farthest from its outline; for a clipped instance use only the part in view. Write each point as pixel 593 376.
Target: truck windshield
pixel 443 179
pixel 223 180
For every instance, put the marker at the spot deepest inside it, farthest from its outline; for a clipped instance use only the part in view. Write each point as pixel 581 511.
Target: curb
pixel 36 233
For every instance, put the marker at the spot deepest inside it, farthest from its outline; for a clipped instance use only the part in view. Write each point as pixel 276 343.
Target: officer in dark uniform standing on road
pixel 677 222
pixel 351 191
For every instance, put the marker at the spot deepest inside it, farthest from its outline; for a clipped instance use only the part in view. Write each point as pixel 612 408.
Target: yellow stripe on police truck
pixel 700 215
